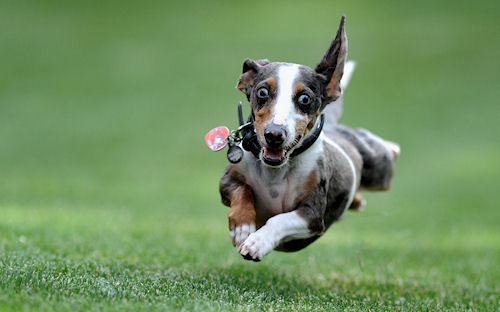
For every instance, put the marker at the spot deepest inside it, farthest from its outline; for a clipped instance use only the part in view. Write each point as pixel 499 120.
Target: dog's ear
pixel 331 66
pixel 250 69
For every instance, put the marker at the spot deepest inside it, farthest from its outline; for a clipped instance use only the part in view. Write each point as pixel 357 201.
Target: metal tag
pixel 234 154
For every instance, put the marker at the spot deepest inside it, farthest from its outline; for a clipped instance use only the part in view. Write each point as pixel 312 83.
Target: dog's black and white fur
pixel 285 203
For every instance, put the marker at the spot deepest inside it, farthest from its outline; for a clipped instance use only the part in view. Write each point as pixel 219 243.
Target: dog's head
pixel 286 99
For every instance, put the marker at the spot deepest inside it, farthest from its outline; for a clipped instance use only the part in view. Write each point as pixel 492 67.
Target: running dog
pixel 304 169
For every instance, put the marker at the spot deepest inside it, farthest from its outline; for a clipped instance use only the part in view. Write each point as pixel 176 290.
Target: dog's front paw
pixel 256 246
pixel 239 233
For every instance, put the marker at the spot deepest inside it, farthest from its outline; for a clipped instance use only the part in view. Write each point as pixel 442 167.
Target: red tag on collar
pixel 216 138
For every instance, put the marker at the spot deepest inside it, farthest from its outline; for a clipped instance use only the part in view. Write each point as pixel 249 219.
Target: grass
pixel 108 196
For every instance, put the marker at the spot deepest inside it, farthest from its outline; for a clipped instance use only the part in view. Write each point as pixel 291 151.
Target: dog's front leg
pixel 237 195
pixel 241 214
pixel 298 224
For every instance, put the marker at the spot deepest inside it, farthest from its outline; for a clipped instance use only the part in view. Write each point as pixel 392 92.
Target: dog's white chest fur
pixel 276 190
pixel 273 196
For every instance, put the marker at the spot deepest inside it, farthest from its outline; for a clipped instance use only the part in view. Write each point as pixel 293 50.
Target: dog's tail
pixel 333 111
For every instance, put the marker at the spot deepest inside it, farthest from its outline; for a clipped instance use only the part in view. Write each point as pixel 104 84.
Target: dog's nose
pixel 274 135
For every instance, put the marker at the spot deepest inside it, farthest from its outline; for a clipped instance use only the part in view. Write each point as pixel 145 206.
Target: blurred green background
pixel 103 167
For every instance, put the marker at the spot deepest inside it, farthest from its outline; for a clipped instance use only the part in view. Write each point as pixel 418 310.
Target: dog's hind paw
pixel 256 246
pixel 358 203
pixel 240 233
pixel 394 148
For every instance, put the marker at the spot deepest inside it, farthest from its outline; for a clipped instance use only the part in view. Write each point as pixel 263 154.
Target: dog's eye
pixel 263 93
pixel 304 99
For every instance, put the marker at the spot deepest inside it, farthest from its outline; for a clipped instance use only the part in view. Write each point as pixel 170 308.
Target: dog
pixel 307 169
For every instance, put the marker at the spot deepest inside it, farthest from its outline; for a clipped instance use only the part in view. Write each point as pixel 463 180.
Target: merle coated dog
pixel 307 169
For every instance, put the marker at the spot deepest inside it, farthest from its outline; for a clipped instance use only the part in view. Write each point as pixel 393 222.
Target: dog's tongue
pixel 274 154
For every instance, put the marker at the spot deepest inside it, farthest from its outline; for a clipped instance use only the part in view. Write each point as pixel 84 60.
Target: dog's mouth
pixel 276 157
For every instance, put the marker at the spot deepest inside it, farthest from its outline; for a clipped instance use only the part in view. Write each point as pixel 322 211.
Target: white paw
pixel 240 233
pixel 394 148
pixel 256 246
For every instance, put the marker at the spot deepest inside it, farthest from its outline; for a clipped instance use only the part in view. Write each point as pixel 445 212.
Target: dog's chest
pixel 272 197
pixel 278 190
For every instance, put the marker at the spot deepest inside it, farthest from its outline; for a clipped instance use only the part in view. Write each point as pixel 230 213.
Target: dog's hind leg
pixel 394 147
pixel 378 157
pixel 358 203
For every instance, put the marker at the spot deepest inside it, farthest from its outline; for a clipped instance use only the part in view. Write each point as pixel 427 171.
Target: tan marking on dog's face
pixel 312 122
pixel 263 113
pixel 299 87
pixel 305 124
pixel 262 118
pixel 301 126
pixel 272 83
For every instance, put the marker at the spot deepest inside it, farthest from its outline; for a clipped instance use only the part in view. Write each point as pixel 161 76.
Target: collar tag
pixel 216 138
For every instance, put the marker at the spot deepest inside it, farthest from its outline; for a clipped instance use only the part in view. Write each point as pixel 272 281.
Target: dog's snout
pixel 275 135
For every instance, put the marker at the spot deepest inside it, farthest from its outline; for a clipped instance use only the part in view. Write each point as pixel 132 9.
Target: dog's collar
pixel 250 143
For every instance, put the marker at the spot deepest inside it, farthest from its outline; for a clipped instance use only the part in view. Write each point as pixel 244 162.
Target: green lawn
pixel 109 198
